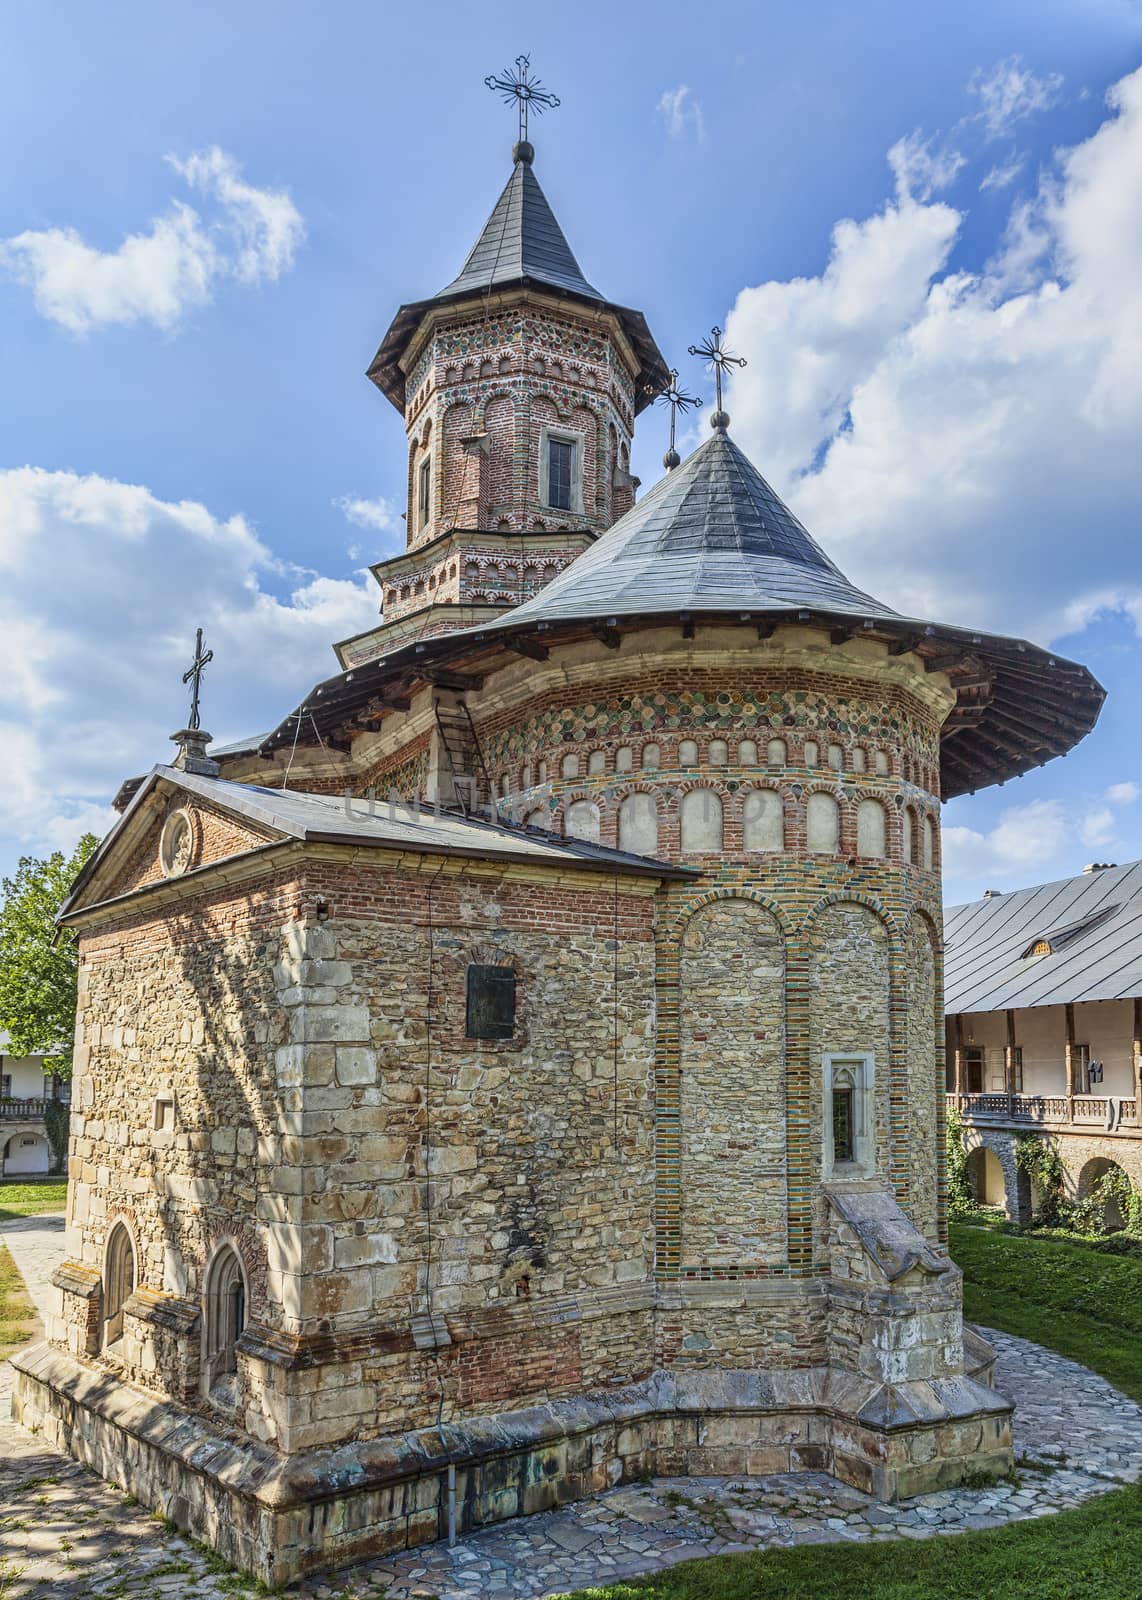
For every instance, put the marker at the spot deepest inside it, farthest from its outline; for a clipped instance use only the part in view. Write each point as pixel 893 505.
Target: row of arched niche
pixel 224 1301
pixel 773 754
pixel 764 825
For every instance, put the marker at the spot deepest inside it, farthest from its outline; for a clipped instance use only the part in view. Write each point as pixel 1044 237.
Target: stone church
pixel 522 1069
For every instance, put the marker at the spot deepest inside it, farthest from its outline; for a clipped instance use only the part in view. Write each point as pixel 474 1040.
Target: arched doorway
pixel 985 1175
pixel 118 1281
pixel 1102 1190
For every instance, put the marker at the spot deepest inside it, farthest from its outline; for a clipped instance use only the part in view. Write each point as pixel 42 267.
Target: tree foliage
pixel 37 971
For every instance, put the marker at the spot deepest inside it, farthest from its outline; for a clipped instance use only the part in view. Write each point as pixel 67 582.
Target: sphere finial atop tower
pixel 678 400
pixel 719 359
pixel 527 92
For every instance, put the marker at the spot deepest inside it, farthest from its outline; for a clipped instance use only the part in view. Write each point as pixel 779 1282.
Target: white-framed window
pixel 424 493
pixel 848 1122
pixel 561 470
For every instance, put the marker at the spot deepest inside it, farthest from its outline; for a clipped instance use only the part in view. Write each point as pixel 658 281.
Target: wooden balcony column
pixel 959 1063
pixel 1069 1025
pixel 1009 1063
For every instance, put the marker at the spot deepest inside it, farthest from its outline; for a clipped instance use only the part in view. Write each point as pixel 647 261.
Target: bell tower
pixel 519 384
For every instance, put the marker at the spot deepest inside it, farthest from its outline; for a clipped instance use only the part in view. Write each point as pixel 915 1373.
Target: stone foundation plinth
pixel 279 1516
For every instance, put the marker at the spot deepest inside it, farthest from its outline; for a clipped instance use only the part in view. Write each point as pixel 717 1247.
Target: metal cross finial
pixel 711 351
pixel 521 87
pixel 678 400
pixel 193 675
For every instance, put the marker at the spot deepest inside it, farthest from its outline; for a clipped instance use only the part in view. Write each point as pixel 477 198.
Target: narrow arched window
pixel 836 757
pixel 881 761
pixel 747 753
pixel 118 1281
pixel 624 759
pixel 583 821
pixel 701 820
pixel 929 844
pixel 570 766
pixel 812 753
pixel 224 1315
pixel 688 753
pixel 719 753
pixel 638 825
pixel 909 828
pixel 543 772
pixel 822 824
pixel 860 761
pixel 597 762
pixel 651 756
pixel 775 753
pixel 762 822
pixel 871 829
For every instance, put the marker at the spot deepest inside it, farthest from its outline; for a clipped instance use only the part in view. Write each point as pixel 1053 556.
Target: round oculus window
pixel 176 846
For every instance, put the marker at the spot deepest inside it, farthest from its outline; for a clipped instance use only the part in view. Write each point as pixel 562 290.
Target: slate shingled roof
pixel 330 819
pixel 712 541
pixel 987 967
pixel 711 535
pixel 521 240
pixel 521 245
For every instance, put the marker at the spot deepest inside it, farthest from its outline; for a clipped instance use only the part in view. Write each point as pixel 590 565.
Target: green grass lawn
pixel 18 1321
pixel 27 1197
pixel 1073 1299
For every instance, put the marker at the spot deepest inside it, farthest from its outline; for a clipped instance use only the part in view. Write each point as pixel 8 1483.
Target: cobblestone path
pixel 65 1535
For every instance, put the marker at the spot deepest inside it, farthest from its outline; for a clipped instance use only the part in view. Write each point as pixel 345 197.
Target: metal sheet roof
pixel 986 964
pixel 332 819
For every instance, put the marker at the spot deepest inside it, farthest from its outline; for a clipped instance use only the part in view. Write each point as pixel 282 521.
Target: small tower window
pixel 560 473
pixel 491 1002
pixel 844 1133
pixel 424 493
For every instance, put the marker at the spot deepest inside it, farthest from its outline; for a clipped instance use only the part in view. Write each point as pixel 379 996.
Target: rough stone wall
pixel 331 1121
pixel 849 1006
pixel 925 1077
pixel 732 1025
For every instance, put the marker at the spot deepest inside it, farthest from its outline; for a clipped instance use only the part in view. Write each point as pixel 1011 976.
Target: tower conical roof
pixel 520 246
pixel 521 242
pixel 710 536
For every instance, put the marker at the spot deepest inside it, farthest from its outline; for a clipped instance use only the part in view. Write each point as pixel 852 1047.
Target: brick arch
pixel 853 897
pixel 753 785
pixel 672 934
pixel 250 1248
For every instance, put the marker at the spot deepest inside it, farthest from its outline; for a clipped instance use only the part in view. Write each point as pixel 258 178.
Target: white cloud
pixel 682 113
pixel 1009 92
pixel 965 443
pixel 1033 842
pixel 1004 174
pixel 1123 794
pixel 90 669
pixel 157 276
pixel 380 514
pixel 922 169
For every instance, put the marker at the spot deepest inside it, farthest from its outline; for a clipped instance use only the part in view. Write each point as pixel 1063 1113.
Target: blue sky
pixel 923 226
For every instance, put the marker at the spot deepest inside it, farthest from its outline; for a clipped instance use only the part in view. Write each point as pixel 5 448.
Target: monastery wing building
pixel 522 1069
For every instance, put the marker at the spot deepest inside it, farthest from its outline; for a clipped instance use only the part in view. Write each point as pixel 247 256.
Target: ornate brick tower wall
pixel 519 384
